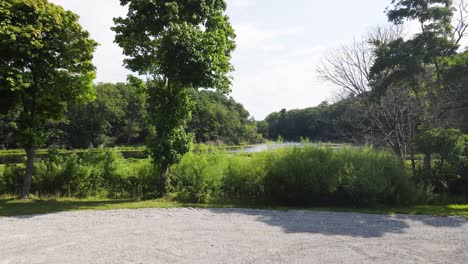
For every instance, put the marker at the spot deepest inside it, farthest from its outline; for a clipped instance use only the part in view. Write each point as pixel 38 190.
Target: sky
pixel 279 45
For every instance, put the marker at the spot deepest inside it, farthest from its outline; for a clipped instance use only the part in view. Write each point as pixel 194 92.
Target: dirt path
pixel 231 236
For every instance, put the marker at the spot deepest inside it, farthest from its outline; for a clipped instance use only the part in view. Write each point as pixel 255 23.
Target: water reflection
pixel 264 147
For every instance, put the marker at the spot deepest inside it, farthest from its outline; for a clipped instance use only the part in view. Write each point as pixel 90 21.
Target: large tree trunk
pixel 163 180
pixel 427 162
pixel 412 157
pixel 30 155
pixel 427 168
pixel 413 165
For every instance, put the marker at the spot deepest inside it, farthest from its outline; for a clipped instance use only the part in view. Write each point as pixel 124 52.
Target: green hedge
pixel 296 176
pixel 96 173
pixel 292 176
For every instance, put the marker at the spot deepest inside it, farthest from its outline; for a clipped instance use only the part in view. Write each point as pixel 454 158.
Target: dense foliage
pixel 220 119
pixel 411 91
pixel 407 94
pixel 294 176
pixel 325 122
pixel 117 117
pixel 45 63
pixel 181 45
pixel 95 173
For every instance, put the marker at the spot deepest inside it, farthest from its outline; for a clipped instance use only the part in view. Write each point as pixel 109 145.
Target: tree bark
pixel 427 167
pixel 163 181
pixel 413 165
pixel 30 156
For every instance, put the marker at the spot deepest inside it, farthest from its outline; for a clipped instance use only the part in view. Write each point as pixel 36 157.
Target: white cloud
pixel 251 37
pixel 97 18
pixel 285 80
pixel 241 3
pixel 279 44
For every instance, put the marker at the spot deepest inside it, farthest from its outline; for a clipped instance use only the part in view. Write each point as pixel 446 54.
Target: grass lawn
pixel 21 152
pixel 12 207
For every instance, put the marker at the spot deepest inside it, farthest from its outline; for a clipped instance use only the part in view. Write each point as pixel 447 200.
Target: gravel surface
pixel 187 235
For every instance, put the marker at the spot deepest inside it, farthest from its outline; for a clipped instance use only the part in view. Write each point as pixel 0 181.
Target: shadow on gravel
pixel 345 224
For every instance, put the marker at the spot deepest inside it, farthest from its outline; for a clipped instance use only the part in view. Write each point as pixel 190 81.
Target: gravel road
pixel 187 235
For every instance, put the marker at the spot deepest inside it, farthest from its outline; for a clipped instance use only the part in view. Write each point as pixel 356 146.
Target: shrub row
pixel 95 173
pixel 296 176
pixel 291 176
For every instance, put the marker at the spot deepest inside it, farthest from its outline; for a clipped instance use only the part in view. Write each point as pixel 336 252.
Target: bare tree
pixel 461 21
pixel 383 35
pixel 389 121
pixel 392 119
pixel 348 67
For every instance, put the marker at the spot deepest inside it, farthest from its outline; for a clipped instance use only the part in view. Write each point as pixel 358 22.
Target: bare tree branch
pixel 461 28
pixel 348 67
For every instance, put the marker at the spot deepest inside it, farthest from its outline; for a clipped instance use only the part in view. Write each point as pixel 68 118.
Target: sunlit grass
pixel 21 152
pixel 12 207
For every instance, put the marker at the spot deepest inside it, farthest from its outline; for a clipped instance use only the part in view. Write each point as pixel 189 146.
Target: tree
pixel 416 62
pixel 118 115
pixel 218 118
pixel 180 45
pixel 449 145
pixel 348 67
pixel 455 78
pixel 388 119
pixel 115 117
pixel 461 27
pixel 45 63
pixel 321 123
pixel 6 131
pixel 98 122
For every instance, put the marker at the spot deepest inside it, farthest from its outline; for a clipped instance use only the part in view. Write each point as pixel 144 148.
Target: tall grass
pixel 97 173
pixel 292 176
pixel 296 176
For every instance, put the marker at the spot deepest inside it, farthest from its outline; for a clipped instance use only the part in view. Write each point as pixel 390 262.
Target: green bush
pixel 445 154
pixel 292 176
pixel 212 174
pixel 301 176
pixel 2 179
pixel 296 176
pixel 96 173
pixel 371 177
pixel 360 176
pixel 11 177
pixel 198 177
pixel 244 177
pixel 459 186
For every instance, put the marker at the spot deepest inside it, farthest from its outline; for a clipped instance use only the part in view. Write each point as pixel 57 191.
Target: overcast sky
pixel 279 44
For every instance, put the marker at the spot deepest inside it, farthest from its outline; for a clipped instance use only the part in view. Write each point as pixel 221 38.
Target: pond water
pixel 138 154
pixel 264 147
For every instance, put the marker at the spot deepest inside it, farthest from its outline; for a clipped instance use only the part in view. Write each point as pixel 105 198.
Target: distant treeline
pixel 349 120
pixel 117 117
pixel 325 122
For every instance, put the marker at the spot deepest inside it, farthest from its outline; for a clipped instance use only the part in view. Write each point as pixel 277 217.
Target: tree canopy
pixel 180 45
pixel 186 42
pixel 45 63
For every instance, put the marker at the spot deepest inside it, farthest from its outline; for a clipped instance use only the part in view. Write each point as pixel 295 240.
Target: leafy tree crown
pixel 188 42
